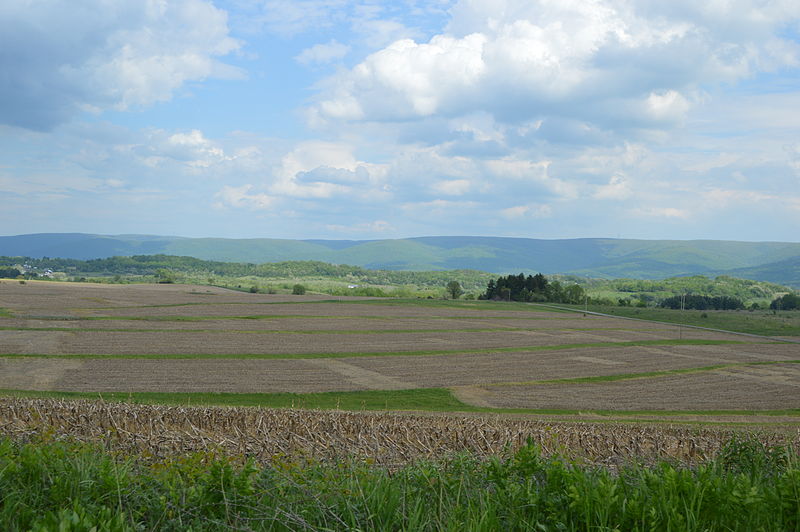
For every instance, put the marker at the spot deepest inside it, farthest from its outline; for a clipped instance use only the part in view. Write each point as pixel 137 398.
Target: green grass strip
pixel 5 313
pixel 643 375
pixel 419 399
pixel 765 323
pixel 280 317
pixel 427 352
pixel 309 331
pixel 388 302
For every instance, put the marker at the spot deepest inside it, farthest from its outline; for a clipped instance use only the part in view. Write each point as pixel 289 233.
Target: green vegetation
pixel 454 290
pixel 417 399
pixel 634 291
pixel 702 303
pixel 533 288
pixel 590 257
pixel 759 322
pixel 267 278
pixel 9 273
pixel 787 302
pixel 74 486
pixel 298 290
pixel 320 277
pixel 355 354
pixel 646 374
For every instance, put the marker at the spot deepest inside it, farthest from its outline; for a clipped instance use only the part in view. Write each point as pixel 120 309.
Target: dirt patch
pixel 34 374
pixel 472 395
pixel 360 377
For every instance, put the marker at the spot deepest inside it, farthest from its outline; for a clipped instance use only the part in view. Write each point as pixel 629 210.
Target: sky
pixel 371 119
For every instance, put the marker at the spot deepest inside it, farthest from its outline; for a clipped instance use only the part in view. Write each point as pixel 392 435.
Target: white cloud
pixel 377 226
pixel 67 57
pixel 618 188
pixel 239 198
pixel 604 64
pixel 323 53
pixel 667 105
pixel 317 169
pixel 527 211
pixel 661 212
pixel 452 187
pixel 534 173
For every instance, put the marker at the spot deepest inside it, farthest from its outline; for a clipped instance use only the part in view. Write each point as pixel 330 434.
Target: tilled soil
pixel 203 343
pixel 346 374
pixel 236 324
pixel 775 387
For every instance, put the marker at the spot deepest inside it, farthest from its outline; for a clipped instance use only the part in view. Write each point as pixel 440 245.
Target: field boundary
pixel 410 401
pixel 642 375
pixel 711 329
pixel 429 352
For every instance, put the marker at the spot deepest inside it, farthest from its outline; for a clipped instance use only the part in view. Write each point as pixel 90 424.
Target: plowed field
pixel 188 339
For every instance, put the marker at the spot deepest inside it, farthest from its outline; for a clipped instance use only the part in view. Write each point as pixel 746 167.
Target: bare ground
pixel 306 324
pixel 748 388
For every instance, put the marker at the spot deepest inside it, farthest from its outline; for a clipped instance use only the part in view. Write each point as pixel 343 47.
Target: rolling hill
pixel 594 257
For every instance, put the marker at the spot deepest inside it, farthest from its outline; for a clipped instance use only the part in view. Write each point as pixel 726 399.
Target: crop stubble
pixel 390 439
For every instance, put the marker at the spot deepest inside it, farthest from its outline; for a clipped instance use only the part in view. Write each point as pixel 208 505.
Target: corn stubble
pixel 388 439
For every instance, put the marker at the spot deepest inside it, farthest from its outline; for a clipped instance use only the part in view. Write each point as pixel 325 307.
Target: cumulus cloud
pixel 600 64
pixel 60 58
pixel 533 173
pixel 318 169
pixel 191 148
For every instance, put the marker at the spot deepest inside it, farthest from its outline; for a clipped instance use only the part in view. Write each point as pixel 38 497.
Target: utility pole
pixel 680 325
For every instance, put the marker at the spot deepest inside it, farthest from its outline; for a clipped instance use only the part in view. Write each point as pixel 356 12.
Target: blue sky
pixel 366 119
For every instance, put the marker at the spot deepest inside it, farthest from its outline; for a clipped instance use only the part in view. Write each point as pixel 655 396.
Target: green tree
pixel 454 289
pixel 298 290
pixel 165 276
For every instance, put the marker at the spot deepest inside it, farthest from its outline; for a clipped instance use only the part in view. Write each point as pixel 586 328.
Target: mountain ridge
pixel 591 257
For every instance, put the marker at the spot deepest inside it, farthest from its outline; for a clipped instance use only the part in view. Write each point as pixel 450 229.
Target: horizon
pixel 404 238
pixel 377 120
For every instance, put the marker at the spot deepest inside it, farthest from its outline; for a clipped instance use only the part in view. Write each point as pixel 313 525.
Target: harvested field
pixel 182 339
pixel 343 374
pixel 234 342
pixel 772 387
pixel 389 439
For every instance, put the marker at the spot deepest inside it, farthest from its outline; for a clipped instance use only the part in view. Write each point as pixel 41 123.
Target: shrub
pixel 298 290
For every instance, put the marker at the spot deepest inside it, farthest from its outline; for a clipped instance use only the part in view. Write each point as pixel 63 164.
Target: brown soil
pixel 739 389
pixel 481 378
pixel 378 373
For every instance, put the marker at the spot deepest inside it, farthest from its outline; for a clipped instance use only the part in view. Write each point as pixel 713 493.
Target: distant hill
pixel 777 262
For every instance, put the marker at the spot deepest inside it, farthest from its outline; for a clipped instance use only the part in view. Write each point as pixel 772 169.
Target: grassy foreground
pixel 71 486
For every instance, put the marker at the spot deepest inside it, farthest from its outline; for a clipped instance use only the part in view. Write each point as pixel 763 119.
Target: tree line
pixel 533 288
pixel 702 302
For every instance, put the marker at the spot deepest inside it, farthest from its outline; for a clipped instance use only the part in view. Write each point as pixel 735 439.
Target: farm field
pixel 180 339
